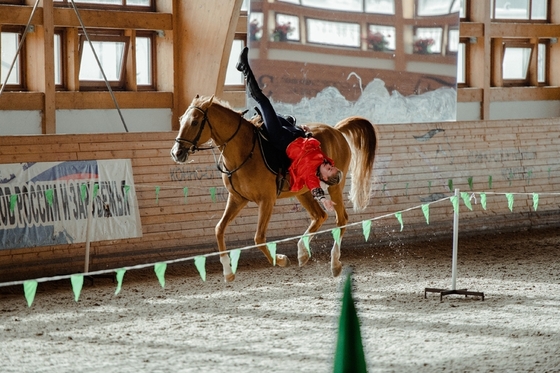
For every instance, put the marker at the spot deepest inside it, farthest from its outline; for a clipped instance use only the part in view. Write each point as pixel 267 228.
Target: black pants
pixel 280 132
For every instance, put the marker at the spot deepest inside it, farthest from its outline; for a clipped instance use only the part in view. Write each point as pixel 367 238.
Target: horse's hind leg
pixel 318 217
pixel 341 220
pixel 234 205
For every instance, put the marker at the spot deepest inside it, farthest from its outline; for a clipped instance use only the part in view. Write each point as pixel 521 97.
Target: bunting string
pixel 30 286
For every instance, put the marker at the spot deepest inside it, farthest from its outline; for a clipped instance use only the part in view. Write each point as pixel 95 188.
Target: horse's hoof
pixel 282 260
pixel 336 270
pixel 303 259
pixel 229 278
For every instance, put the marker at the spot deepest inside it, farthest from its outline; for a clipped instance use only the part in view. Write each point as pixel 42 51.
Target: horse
pixel 351 143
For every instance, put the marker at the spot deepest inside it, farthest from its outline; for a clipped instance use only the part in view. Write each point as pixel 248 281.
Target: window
pixel 58 59
pixel 145 66
pixel 380 6
pixel 9 41
pixel 427 40
pixel 533 10
pixel 255 26
pixel 452 41
pixel 437 7
pixel 347 5
pixel 381 38
pixel 287 28
pixel 111 52
pixel 333 33
pixel 542 56
pixel 462 51
pixel 525 63
pixel 234 78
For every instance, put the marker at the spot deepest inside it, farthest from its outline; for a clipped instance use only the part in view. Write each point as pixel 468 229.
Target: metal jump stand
pixel 454 289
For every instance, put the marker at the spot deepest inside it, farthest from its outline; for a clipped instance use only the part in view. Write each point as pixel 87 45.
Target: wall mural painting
pixel 391 61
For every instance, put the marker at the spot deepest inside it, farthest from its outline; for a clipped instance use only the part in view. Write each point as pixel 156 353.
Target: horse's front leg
pixel 318 217
pixel 234 205
pixel 335 193
pixel 265 212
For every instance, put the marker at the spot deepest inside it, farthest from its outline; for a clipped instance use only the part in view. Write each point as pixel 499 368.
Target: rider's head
pixel 329 173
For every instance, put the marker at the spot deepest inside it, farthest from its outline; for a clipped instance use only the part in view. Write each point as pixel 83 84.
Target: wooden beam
pixel 19 15
pixel 22 101
pixel 114 19
pixel 103 100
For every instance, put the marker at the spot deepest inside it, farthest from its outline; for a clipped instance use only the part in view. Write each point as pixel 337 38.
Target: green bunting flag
pixel 336 235
pixel 470 181
pixel 95 190
pixel 49 194
pixel 185 193
pixel 366 228
pixel 455 202
pixel 13 201
pixel 398 215
pixel 450 184
pixel 234 256
pixel 213 194
pixel 509 197
pixel 466 199
pixel 157 195
pixel 200 262
pixel 29 289
pixel 120 276
pixel 126 190
pixel 483 200
pixel 426 211
pixel 159 269
pixel 490 181
pixel 349 354
pixel 77 282
pixel 306 240
pixel 271 246
pixel 83 191
pixel 535 201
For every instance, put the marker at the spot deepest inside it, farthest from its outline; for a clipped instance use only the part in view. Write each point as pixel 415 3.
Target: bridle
pixel 219 163
pixel 194 143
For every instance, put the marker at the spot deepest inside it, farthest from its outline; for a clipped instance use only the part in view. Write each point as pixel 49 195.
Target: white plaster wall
pixel 468 111
pixel 107 121
pixel 524 109
pixel 20 122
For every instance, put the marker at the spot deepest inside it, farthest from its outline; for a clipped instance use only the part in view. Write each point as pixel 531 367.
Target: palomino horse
pixel 351 144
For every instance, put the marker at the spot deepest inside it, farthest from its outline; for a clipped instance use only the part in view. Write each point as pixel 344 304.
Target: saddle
pixel 275 160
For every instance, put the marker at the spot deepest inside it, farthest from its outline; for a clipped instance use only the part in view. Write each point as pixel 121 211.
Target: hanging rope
pixel 27 27
pixel 99 64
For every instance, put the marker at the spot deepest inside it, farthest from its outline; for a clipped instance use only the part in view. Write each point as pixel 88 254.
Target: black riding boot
pixel 252 84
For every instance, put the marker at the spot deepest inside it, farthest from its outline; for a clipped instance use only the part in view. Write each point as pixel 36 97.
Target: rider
pixel 309 165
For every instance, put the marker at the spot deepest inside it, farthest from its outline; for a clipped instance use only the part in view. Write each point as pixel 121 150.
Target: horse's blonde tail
pixel 361 135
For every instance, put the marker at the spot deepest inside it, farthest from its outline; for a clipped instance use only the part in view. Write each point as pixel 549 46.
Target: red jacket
pixel 306 156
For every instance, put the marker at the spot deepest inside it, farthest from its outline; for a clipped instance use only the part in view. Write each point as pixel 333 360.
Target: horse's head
pixel 195 129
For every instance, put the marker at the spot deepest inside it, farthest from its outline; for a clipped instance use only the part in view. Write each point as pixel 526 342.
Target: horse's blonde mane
pixel 201 100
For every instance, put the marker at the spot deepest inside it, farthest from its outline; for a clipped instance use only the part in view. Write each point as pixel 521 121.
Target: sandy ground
pixel 285 319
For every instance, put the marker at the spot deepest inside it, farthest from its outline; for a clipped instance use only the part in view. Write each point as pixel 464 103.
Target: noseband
pixel 194 143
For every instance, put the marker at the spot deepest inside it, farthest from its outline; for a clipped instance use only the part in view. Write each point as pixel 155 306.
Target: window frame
pixel 103 36
pixel 518 43
pixel 520 20
pixel 21 86
pixel 466 65
pixel 153 59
